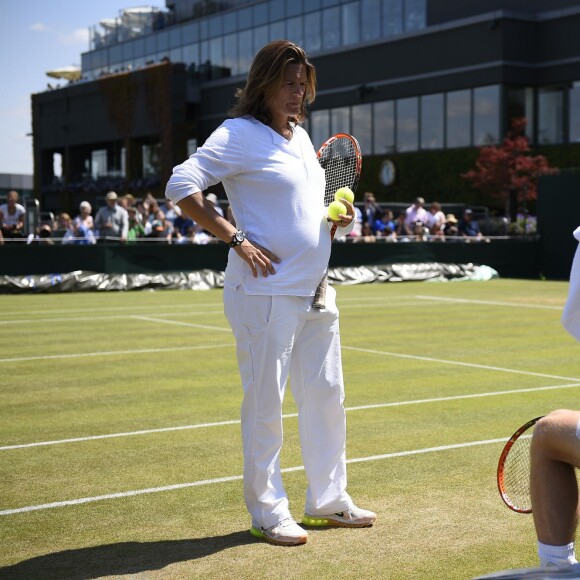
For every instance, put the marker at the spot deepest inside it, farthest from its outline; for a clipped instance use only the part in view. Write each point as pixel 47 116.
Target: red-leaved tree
pixel 507 171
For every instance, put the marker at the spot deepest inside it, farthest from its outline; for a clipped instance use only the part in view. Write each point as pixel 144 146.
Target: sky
pixel 35 37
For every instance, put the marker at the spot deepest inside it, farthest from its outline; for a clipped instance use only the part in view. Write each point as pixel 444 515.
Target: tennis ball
pixel 336 208
pixel 344 193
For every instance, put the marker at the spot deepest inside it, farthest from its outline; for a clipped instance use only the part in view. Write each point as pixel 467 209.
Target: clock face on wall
pixel 387 172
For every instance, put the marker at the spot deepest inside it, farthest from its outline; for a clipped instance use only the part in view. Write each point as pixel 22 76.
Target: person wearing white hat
pixel 213 198
pixel 112 220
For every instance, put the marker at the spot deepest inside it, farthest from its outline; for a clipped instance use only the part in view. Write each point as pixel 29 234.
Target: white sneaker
pixel 284 533
pixel 353 518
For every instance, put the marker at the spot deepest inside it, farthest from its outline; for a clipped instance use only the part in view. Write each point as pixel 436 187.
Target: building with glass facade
pixel 420 83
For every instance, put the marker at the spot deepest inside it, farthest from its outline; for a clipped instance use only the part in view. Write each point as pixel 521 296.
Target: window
pixel 276 10
pixel 408 124
pixel 551 115
pixel 415 11
pixel 486 104
pixel 260 38
pixel 458 113
pixel 98 163
pixel 339 120
pixel 319 127
pixel 312 35
pixel 260 14
pixel 392 17
pixel 216 54
pixel 370 19
pixel 520 104
pixel 293 7
pixel 362 127
pixel 432 121
pixel 330 28
pixel 191 54
pixel 231 53
pixel 246 50
pixel 277 30
pixel 294 30
pixel 384 127
pixel 574 115
pixel 350 23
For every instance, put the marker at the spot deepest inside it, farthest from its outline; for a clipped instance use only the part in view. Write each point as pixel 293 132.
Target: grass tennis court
pixel 120 449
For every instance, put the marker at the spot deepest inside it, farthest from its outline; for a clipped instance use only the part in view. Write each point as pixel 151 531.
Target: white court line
pixel 458 363
pixel 286 416
pixel 180 323
pixel 490 302
pixel 114 352
pixel 176 486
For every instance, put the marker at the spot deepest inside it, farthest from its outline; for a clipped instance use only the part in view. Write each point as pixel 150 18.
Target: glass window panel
pixel 162 40
pixel 486 115
pixel 276 10
pixel 150 44
pixel 138 47
pixel 203 29
pixel 245 18
pixel 339 120
pixel 115 54
pixel 216 53
pixel 350 23
pixel 190 32
pixel 383 127
pixel 294 30
pixel 392 17
pixel 319 127
pixel 415 14
pixel 260 14
pixel 312 35
pixel 293 7
pixel 128 48
pixel 231 53
pixel 260 38
pixel 408 124
pixel 278 30
pixel 175 55
pixel 245 51
pixel 191 54
pixel 458 116
pixel 551 115
pixel 326 3
pixel 520 103
pixel 230 22
pixel 204 52
pixel 362 127
pixel 574 113
pixel 312 5
pixel 216 26
pixel 330 28
pixel 175 37
pixel 371 19
pixel 432 124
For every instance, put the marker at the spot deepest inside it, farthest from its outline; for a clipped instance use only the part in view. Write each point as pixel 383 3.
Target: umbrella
pixel 70 73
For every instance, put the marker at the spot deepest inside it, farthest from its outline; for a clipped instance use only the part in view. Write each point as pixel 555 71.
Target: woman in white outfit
pixel 275 187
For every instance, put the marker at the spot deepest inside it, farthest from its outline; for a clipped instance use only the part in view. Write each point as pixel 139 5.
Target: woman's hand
pixel 258 258
pixel 345 219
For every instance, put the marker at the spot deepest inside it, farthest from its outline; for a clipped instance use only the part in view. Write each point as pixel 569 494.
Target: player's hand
pixel 345 219
pixel 258 258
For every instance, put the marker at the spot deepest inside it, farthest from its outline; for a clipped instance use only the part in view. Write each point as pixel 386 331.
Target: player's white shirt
pixel 275 188
pixel 571 313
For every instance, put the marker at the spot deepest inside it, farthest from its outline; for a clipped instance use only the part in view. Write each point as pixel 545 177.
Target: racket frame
pixel 502 462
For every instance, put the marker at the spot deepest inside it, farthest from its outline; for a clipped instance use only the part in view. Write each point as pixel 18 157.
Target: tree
pixel 508 171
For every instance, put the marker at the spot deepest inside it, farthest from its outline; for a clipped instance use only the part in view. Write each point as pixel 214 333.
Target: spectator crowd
pixel 127 219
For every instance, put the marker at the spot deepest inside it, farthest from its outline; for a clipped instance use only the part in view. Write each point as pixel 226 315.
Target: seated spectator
pixel 63 228
pixel 450 226
pixel 416 212
pixel 136 228
pixel 161 227
pixel 129 201
pixel 469 228
pixel 181 227
pixel 385 220
pixel 367 234
pixel 112 220
pixel 12 215
pixel 213 198
pixel 42 236
pixel 420 232
pixel 436 221
pixel 402 230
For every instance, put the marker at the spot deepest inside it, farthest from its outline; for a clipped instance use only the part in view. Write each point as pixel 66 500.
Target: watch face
pixel 239 237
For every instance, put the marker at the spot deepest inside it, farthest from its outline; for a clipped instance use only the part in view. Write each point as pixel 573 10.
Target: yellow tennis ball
pixel 335 209
pixel 344 193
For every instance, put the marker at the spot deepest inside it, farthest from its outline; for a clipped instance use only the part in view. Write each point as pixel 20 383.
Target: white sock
pixel 556 556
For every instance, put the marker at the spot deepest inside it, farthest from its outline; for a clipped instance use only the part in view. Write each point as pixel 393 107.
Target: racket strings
pixel 339 161
pixel 516 476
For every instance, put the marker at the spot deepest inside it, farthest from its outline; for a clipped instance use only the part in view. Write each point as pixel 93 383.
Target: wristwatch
pixel 237 239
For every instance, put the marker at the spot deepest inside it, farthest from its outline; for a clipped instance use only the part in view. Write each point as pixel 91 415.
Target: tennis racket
pixel 341 159
pixel 513 469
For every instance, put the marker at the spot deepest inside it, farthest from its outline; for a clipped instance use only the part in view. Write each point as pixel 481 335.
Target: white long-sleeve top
pixel 276 189
pixel 571 312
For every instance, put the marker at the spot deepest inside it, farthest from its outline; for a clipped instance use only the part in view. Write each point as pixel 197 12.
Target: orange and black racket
pixel 513 469
pixel 341 158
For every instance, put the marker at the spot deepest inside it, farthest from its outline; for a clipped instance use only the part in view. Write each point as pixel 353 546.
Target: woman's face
pixel 287 102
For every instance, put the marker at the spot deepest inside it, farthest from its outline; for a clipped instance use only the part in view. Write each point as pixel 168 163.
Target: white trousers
pixel 278 336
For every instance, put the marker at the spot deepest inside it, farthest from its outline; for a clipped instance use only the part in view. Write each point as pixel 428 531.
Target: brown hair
pixel 266 77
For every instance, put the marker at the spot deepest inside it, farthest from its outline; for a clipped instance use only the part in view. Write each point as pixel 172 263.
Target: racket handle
pixel 319 301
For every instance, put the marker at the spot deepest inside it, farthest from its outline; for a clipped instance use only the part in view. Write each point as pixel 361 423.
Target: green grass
pixel 438 364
